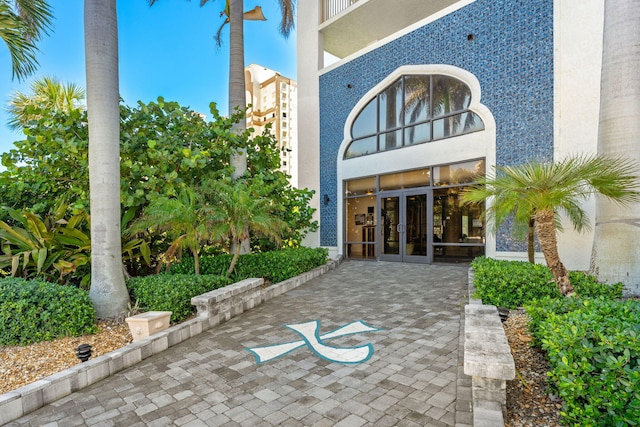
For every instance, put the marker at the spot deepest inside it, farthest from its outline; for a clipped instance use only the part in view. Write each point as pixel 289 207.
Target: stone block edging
pixel 487 359
pixel 213 308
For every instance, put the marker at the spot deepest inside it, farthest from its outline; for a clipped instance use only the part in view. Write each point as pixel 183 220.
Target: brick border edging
pixel 24 400
pixel 489 366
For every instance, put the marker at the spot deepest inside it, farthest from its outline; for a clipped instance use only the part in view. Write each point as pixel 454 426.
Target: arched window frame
pixel 438 152
pixel 401 129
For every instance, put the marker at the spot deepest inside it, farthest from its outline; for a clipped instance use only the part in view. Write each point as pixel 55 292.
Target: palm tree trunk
pixel 616 247
pixel 108 291
pixel 196 261
pixel 531 242
pixel 236 255
pixel 237 97
pixel 546 229
pixel 237 88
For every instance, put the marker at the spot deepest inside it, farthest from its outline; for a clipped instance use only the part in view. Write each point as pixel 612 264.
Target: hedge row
pixel 172 292
pixel 513 284
pixel 274 266
pixel 33 311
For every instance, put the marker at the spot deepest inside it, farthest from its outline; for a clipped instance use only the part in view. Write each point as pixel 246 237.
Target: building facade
pixel 406 102
pixel 273 101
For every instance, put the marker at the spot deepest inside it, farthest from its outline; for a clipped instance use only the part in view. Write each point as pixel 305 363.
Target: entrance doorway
pixel 415 215
pixel 403 225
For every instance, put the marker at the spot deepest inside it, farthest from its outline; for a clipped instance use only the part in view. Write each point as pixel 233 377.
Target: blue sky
pixel 165 50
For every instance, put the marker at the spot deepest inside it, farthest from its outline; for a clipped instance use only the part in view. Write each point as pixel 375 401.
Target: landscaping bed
pixel 589 342
pixel 22 365
pixel 529 403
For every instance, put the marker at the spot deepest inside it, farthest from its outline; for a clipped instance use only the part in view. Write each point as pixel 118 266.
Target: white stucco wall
pixel 578 59
pixel 309 62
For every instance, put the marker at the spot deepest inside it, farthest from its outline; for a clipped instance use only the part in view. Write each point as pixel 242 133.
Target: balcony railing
pixel 331 8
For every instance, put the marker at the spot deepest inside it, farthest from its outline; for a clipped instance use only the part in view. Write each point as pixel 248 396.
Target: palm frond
pixel 37 15
pixel 287 23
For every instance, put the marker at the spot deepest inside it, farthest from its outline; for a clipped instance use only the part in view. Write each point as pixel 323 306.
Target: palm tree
pixel 237 99
pixel 238 209
pixel 108 291
pixel 47 93
pixel 22 24
pixel 185 219
pixel 616 246
pixel 539 192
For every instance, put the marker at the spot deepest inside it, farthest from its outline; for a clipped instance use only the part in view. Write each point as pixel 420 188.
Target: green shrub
pixel 172 292
pixel 587 286
pixel 513 284
pixel 33 311
pixel 594 351
pixel 275 266
pixel 540 310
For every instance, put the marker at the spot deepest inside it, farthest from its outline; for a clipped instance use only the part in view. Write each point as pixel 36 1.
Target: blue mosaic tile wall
pixel 511 54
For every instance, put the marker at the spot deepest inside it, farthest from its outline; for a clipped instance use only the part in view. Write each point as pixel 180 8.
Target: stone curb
pixel 487 359
pixel 31 397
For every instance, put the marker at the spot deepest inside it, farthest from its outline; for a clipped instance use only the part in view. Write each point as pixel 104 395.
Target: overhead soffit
pixel 368 21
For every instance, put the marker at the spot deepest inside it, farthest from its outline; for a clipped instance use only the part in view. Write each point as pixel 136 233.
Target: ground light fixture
pixel 83 352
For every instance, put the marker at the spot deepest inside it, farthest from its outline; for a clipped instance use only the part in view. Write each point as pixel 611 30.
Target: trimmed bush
pixel 593 348
pixel 513 284
pixel 587 286
pixel 275 266
pixel 33 311
pixel 172 292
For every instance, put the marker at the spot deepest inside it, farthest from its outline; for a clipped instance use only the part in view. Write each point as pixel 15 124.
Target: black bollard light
pixel 503 313
pixel 83 352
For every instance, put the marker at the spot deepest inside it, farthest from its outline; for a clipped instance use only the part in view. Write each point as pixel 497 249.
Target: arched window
pixel 414 109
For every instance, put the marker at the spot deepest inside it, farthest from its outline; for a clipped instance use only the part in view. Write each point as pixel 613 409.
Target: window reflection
pixel 459 173
pixel 356 187
pixel 390 140
pixel 365 123
pixel 362 147
pixel 371 217
pixel 417 91
pixel 417 134
pixel 391 106
pixel 458 228
pixel 449 95
pixel 457 124
pixel 407 107
pixel 408 179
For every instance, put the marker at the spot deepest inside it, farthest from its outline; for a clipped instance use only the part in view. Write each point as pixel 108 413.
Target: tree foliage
pixel 56 247
pixel 241 208
pixel 185 219
pixel 165 149
pixel 47 93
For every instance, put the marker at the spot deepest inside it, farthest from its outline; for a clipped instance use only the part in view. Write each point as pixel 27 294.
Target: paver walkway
pixel 413 377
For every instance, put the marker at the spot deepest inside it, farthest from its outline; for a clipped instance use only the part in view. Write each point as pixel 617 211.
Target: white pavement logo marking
pixel 309 331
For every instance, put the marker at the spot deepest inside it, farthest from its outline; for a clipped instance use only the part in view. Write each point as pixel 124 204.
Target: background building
pixel 273 100
pixel 503 82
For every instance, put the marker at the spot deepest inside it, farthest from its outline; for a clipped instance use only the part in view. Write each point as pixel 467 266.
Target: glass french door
pixel 403 226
